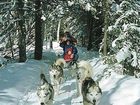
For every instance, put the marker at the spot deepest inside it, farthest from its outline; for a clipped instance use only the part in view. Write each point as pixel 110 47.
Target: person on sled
pixel 70 51
pixel 66 36
pixel 69 36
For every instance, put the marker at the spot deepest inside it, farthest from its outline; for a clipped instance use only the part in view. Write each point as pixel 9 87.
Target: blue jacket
pixel 65 47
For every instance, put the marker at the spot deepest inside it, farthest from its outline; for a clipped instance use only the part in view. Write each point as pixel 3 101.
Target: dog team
pixel 82 70
pixel 86 86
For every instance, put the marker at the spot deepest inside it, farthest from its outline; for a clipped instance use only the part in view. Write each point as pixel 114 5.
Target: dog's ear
pixel 42 76
pixel 43 79
pixel 98 89
pixel 88 81
pixel 55 61
pixel 88 85
pixel 97 82
pixel 52 66
pixel 59 67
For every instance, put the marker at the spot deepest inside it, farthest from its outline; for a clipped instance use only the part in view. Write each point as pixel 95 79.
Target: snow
pixel 43 18
pixel 19 81
pixel 120 90
pixel 123 53
pixel 134 61
pixel 88 7
pixel 70 3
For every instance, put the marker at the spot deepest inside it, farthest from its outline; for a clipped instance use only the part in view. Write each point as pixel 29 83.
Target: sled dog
pixel 45 91
pixel 84 70
pixel 91 92
pixel 56 74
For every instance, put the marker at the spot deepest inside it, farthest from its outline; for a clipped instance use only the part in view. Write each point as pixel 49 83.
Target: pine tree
pixel 126 35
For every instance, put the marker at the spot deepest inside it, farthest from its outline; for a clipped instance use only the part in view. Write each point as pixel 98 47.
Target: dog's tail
pixel 87 66
pixel 61 62
pixel 42 76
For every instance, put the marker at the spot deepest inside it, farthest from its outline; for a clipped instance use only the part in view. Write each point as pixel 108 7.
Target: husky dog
pixel 45 91
pixel 91 92
pixel 84 70
pixel 56 74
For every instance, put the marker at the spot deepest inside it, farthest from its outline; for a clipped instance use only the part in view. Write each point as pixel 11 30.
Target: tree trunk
pixel 22 34
pixel 38 31
pixel 11 46
pixel 58 30
pixel 83 41
pixel 51 42
pixel 106 10
pixel 89 30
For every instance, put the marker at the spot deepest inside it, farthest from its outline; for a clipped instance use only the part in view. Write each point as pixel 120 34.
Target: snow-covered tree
pixel 125 34
pixel 10 18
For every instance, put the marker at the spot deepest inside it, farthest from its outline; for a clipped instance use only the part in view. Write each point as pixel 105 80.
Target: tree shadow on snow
pixel 65 101
pixel 106 95
pixel 137 102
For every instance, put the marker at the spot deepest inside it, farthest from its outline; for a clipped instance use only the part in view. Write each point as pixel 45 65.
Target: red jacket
pixel 68 55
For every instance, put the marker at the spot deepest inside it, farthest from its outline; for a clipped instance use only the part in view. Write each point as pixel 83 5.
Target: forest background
pixel 110 27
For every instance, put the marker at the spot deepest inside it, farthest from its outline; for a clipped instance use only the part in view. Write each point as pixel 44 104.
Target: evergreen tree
pixel 16 32
pixel 126 35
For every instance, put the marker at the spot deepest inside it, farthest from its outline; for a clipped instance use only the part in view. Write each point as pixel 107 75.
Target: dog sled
pixel 69 61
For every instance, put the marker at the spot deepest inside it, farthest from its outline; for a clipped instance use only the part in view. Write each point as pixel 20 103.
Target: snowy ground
pixel 19 81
